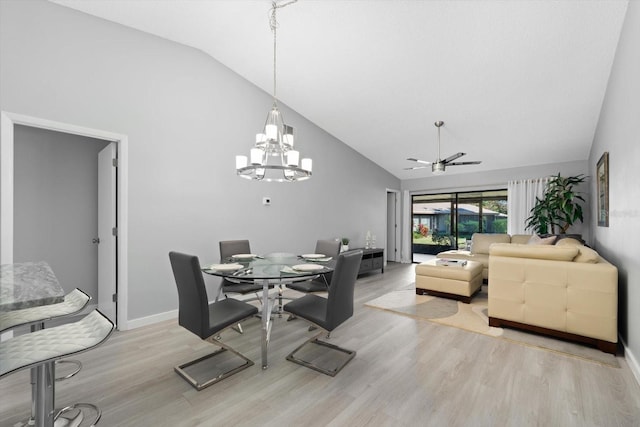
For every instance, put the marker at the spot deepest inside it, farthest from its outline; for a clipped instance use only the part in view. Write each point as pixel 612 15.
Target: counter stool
pixel 41 349
pixel 74 302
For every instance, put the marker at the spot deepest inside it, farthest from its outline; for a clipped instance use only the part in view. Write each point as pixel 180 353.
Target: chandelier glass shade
pixel 273 156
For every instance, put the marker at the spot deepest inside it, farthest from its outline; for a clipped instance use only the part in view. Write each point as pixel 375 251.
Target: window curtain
pixel 521 198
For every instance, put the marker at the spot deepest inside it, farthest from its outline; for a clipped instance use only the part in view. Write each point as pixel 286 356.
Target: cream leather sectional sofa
pixel 566 290
pixel 480 244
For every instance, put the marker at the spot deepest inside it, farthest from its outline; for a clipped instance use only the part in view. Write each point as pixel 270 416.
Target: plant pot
pixel 344 248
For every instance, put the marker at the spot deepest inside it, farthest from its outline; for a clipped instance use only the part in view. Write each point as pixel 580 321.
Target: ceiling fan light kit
pixel 439 166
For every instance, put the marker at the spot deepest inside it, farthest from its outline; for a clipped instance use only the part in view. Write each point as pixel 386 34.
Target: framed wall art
pixel 602 173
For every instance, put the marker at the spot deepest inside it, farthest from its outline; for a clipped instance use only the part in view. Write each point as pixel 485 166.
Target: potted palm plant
pixel 559 208
pixel 345 244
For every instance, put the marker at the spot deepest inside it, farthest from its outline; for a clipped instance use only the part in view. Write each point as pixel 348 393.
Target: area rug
pixel 473 317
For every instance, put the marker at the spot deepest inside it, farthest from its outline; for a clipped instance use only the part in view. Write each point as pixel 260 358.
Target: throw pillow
pixel 537 240
pixel 568 241
pixel 586 255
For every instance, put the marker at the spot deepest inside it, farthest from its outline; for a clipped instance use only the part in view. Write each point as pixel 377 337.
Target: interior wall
pixel 56 204
pixel 618 133
pixel 186 117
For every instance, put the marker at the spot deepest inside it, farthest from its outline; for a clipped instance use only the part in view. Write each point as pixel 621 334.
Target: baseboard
pixel 631 361
pixel 150 320
pixel 167 315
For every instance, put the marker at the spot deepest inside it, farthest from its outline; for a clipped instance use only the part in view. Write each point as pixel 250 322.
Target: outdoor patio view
pixel 447 221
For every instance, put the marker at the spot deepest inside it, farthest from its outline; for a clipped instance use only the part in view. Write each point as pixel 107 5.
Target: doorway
pixel 392 252
pixel 8 223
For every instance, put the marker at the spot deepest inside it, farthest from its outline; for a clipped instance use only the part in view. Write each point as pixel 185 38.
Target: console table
pixel 372 259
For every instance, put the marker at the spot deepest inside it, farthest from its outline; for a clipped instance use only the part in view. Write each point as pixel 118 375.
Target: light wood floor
pixel 406 373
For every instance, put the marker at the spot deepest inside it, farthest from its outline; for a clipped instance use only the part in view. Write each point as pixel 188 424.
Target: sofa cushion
pixel 537 240
pixel 480 242
pixel 556 253
pixel 586 255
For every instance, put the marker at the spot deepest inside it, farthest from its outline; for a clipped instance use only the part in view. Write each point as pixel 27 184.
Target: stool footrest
pixel 77 419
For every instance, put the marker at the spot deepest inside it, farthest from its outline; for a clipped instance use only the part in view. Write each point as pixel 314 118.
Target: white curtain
pixel 521 199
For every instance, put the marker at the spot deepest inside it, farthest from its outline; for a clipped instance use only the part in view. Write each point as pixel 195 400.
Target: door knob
pixel 96 240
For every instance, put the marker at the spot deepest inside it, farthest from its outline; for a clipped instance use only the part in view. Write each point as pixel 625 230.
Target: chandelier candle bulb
pixel 272 132
pixel 306 164
pixel 256 156
pixel 287 136
pixel 292 158
pixel 261 138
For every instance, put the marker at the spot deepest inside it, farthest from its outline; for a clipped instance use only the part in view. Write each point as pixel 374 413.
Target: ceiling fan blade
pixel 452 158
pixel 424 162
pixel 464 163
pixel 416 167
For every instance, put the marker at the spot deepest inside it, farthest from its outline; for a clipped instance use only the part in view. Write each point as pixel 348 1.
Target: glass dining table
pixel 270 270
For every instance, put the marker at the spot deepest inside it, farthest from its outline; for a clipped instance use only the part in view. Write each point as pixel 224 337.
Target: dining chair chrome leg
pixel 314 340
pixel 180 369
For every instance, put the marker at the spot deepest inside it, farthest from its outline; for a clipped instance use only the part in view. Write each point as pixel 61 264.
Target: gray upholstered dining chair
pixel 204 319
pixel 329 313
pixel 330 248
pixel 229 248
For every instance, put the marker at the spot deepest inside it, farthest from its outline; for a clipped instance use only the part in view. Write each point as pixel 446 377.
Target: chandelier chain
pixel 273 23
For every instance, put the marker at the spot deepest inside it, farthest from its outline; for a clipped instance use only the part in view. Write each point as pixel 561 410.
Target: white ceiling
pixel 517 83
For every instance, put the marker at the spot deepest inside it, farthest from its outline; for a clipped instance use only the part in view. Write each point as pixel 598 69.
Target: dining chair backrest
pixel 233 247
pixel 342 288
pixel 193 307
pixel 330 248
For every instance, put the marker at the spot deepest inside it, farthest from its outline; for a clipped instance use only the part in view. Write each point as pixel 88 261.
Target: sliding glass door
pixel 447 221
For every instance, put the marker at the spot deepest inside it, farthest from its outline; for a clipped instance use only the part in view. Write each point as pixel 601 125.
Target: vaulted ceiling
pixel 517 83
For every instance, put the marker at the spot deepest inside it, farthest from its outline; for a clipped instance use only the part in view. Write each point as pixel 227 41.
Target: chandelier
pixel 273 157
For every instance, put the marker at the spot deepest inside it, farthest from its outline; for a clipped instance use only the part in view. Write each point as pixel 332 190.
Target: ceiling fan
pixel 439 166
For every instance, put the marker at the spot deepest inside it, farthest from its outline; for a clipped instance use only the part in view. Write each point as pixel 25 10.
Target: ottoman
pixel 449 281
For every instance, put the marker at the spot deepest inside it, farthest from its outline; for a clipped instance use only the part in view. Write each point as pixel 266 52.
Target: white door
pixel 106 226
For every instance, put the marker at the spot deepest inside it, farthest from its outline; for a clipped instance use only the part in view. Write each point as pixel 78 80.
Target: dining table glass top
pixel 281 266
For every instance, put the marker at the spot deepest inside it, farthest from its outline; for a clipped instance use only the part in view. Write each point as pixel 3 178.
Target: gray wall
pixel 618 132
pixel 186 116
pixel 498 179
pixel 56 204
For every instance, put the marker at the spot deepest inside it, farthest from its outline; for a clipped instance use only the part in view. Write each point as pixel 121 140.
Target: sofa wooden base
pixel 463 298
pixel 605 346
